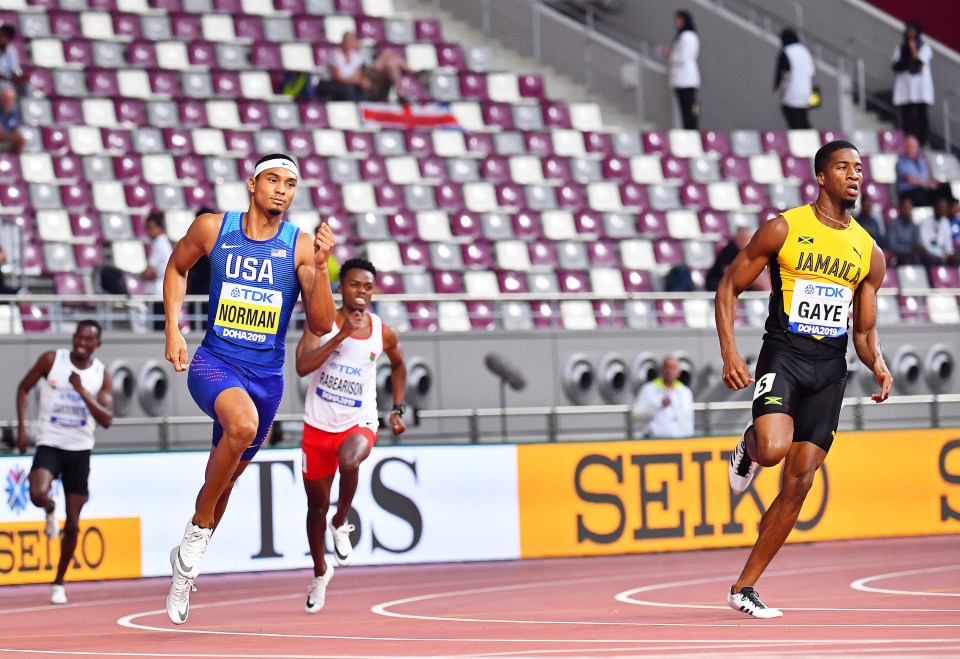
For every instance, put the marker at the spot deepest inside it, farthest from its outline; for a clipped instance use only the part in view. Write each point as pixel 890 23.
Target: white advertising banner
pixel 413 504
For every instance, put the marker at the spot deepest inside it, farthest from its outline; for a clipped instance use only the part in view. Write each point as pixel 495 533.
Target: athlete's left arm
pixel 312 257
pixel 101 406
pixel 866 341
pixel 398 375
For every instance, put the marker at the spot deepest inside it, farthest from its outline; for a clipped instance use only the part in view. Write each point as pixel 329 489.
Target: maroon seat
pixel 483 315
pixel 313 114
pixel 675 168
pixel 389 283
pixel 41 80
pixel 495 169
pixel 736 168
pixel 556 114
pixel 402 225
pixel 415 254
pixel 85 224
pixel 102 5
pixel 655 141
pixel 449 196
pixel 809 191
pixel 68 111
pixel 714 222
pixel 418 143
pixel 913 308
pixel 668 252
pixel 131 111
pixel 447 281
pixel 359 143
pixel 433 167
pixel 117 140
pixel 602 253
pixel 479 143
pixel 248 27
pixel 890 141
pixel 225 83
pixel 543 254
pixel 76 196
pixel 555 168
pixel 238 141
pixel 253 113
pixel 538 143
pixel 943 276
pixel 797 168
pixel 88 257
pixel 138 195
pixel 69 283
pixel 265 55
pixel 716 142
pixel 340 224
pixel 609 313
pixel 754 194
pixel 202 54
pixel 545 314
pixel 531 86
pixel 370 28
pixel 64 24
pixel 589 223
pixel 428 29
pixel 299 142
pixel 633 194
pixel 527 225
pixel 571 196
pixel 451 55
pixel 199 196
pixel 126 25
pixel 464 224
pixel 55 140
pixel 879 192
pixel 189 168
pixel 831 135
pixel 326 197
pixel 670 313
pixel 601 143
pixel 509 194
pixel 423 316
pixel 388 195
pixel 10 171
pixel 776 141
pixel 164 83
pixel 193 113
pixel 373 170
pixel 693 194
pixel 497 114
pixel 78 52
pixel 512 282
pixel 652 224
pixel 477 255
pixel 295 7
pixel 573 281
pixel 186 27
pixel 473 86
pixel 313 168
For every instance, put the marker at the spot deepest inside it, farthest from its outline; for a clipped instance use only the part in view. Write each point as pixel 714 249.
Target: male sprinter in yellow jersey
pixel 820 262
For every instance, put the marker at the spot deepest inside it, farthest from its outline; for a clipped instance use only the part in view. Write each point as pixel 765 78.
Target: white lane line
pixel 861 584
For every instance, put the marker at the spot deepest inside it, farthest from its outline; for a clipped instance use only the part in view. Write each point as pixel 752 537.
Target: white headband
pixel 282 163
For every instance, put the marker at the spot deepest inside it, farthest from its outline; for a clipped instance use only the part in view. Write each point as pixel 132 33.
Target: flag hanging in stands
pixel 394 115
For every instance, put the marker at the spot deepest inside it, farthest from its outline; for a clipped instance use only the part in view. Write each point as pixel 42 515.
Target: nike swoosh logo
pixel 183 615
pixel 335 551
pixel 309 603
pixel 183 566
pixel 226 246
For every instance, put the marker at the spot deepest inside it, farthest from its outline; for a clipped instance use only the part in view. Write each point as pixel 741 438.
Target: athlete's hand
pixel 397 425
pixel 176 351
pixel 885 380
pixel 736 375
pixel 323 244
pixel 351 323
pixel 74 380
pixel 22 440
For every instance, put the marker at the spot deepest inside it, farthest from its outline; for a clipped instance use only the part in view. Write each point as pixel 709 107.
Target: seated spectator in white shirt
pixel 665 405
pixel 936 235
pixel 353 80
pixel 11 74
pixel 160 250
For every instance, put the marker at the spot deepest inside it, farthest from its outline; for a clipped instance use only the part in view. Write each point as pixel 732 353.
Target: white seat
pixel 558 225
pixel 699 253
pixel 699 313
pixel 883 168
pixel 685 143
pixel 452 316
pixel 646 169
pixel 10 320
pixel 232 195
pixel 568 143
pixel 512 255
pixel 47 53
pixel 257 7
pixel 99 112
pixel 307 220
pixel 85 140
pixel 130 256
pixel 607 280
pixel 503 88
pixel 297 56
pixel 172 55
pixel 637 254
pixel 766 168
pixel 586 116
pixel 343 115
pixel 54 226
pixel 448 143
pixel 208 142
pixel 943 309
pixel 37 167
pixel 468 115
pixel 480 197
pixel 577 315
pixel 481 283
pixel 380 8
pixel 683 224
pixel 724 196
pixel 386 254
pixel 803 143
pixel 421 56
pixel 526 170
pixel 403 170
pixel 108 196
pixel 256 85
pixel 328 142
pixel 358 197
pixel 224 114
pixel 96 25
pixel 177 223
pixel 336 26
pixel 135 83
pixel 604 196
pixel 218 27
pixel 434 226
pixel 159 169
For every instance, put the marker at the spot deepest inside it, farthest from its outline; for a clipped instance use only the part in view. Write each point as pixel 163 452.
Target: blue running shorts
pixel 209 375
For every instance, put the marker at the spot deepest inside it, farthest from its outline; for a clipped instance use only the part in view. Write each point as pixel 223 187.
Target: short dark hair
pixel 356 264
pixel 90 322
pixel 8 31
pixel 275 156
pixel 828 149
pixel 204 210
pixel 159 219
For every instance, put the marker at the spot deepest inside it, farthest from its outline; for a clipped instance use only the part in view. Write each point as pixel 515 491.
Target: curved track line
pixel 861 584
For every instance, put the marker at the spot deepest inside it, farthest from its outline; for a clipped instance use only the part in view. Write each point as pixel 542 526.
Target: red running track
pixel 873 597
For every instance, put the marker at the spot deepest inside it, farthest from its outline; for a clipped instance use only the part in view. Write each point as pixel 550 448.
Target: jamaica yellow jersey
pixel 813 278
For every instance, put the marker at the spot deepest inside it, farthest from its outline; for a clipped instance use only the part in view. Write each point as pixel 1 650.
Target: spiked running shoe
pixel 317 592
pixel 178 601
pixel 58 595
pixel 342 548
pixel 191 550
pixel 749 602
pixel 741 468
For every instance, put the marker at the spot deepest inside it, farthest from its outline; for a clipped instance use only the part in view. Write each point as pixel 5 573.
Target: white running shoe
pixel 749 602
pixel 342 548
pixel 317 592
pixel 178 601
pixel 58 595
pixel 191 550
pixel 52 529
pixel 741 468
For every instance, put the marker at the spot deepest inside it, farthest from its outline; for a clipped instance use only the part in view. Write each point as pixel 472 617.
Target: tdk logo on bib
pixel 820 309
pixel 253 295
pixel 825 290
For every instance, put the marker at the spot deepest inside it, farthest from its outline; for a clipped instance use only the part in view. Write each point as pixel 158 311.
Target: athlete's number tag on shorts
pixel 764 385
pixel 247 315
pixel 820 308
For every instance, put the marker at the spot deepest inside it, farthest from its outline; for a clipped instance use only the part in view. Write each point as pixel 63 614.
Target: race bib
pixel 247 315
pixel 68 409
pixel 820 308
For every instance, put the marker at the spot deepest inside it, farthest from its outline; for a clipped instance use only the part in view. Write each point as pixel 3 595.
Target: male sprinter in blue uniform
pixel 259 264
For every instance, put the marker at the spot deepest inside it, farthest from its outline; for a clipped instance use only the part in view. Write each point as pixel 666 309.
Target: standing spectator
pixel 913 176
pixel 794 80
pixel 936 236
pixel 11 75
pixel 160 250
pixel 913 83
pixel 903 236
pixel 868 219
pixel 684 72
pixel 10 137
pixel 665 405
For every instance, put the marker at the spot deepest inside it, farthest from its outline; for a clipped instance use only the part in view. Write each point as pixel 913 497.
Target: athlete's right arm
pixel 198 241
pixel 311 355
pixel 29 381
pixel 746 267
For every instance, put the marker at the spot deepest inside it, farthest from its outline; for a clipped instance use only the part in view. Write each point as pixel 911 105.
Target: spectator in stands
pixel 913 176
pixel 160 250
pixel 870 221
pixel 936 236
pixel 913 83
pixel 903 236
pixel 684 72
pixel 10 137
pixel 665 405
pixel 11 75
pixel 794 80
pixel 353 80
pixel 726 256
pixel 955 224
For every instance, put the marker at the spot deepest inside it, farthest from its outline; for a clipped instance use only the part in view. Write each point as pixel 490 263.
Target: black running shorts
pixel 71 467
pixel 808 389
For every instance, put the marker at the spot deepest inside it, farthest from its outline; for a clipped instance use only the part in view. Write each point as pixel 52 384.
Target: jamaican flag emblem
pixel 805 240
